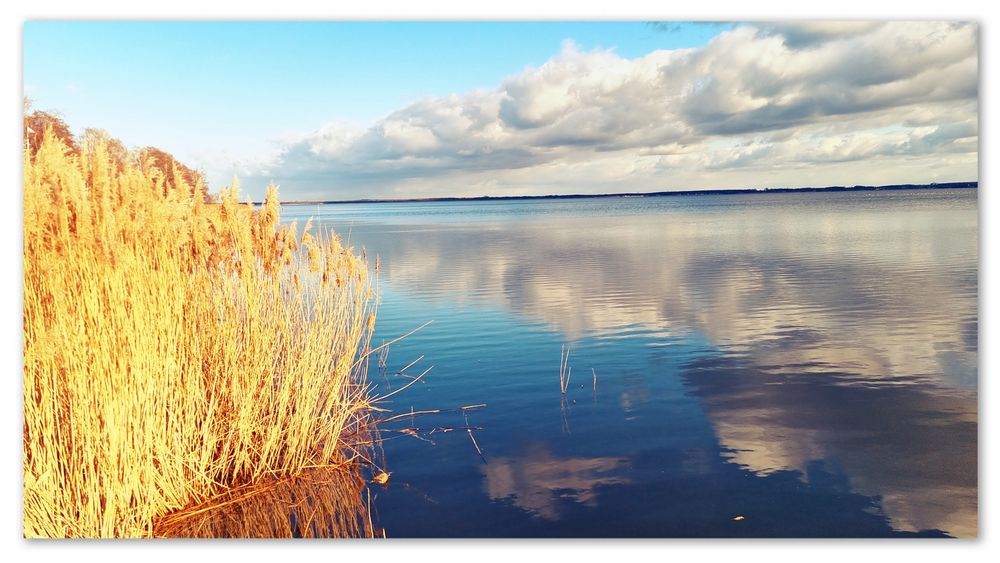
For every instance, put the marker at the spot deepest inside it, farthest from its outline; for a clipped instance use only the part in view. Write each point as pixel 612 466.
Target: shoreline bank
pixel 735 191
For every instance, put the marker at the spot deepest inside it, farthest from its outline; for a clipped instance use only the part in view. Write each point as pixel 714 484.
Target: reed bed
pixel 175 351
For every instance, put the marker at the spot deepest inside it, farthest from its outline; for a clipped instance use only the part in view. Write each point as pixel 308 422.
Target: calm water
pixel 807 362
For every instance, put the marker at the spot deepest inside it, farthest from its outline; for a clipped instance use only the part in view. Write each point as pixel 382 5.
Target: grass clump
pixel 176 351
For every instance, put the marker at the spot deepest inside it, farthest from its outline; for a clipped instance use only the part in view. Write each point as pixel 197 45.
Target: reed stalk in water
pixel 174 351
pixel 564 370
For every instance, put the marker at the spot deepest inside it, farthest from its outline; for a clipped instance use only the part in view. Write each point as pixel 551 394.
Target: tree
pixel 173 171
pixel 37 122
pixel 117 152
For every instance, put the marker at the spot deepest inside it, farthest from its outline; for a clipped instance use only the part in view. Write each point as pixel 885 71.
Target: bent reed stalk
pixel 176 350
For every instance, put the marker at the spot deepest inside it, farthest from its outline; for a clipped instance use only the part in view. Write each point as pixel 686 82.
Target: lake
pixel 753 365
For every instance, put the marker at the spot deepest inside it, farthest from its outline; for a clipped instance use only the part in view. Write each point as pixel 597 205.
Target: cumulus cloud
pixel 797 35
pixel 797 101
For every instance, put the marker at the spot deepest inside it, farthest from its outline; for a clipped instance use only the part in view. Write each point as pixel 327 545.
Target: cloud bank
pixel 761 105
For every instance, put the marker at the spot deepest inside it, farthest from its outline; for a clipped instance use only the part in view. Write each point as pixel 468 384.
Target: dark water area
pixel 767 365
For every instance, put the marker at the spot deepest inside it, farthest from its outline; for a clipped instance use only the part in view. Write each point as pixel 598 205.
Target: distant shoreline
pixel 943 186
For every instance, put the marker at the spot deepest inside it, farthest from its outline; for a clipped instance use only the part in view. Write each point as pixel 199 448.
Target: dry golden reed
pixel 176 351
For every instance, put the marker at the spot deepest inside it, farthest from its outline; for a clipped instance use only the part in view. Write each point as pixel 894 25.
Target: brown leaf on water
pixel 382 478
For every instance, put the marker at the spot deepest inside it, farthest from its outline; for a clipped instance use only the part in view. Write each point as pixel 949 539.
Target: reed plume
pixel 176 351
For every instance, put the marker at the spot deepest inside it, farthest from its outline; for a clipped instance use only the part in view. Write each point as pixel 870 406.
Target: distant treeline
pixel 735 191
pixel 36 123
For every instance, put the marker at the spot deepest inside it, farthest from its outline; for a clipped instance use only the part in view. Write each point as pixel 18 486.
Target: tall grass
pixel 176 351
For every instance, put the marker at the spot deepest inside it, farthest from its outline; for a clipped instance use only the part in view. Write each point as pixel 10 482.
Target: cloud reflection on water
pixel 914 445
pixel 538 482
pixel 838 328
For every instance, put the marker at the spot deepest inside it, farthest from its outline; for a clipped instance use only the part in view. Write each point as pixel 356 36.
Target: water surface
pixel 766 364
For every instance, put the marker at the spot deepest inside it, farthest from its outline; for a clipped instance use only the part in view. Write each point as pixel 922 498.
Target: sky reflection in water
pixel 806 361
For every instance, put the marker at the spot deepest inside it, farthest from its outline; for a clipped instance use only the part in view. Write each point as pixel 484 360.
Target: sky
pixel 346 110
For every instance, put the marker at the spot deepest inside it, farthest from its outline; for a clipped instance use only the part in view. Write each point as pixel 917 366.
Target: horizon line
pixel 726 191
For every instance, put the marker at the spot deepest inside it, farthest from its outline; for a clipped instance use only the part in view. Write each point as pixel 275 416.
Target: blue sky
pixel 311 104
pixel 195 86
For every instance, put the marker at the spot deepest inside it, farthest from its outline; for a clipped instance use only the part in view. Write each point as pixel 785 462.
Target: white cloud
pixel 793 101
